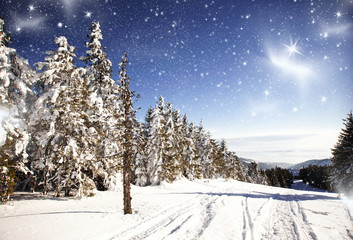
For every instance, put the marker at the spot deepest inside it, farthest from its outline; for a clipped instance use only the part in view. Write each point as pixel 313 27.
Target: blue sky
pixel 274 78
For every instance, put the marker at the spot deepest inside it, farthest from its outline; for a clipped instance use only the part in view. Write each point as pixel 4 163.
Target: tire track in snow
pixel 302 224
pixel 251 223
pixel 287 218
pixel 172 221
pixel 248 226
pixel 208 214
pixel 159 219
pixel 282 222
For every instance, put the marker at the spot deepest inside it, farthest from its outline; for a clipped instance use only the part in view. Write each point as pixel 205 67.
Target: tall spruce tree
pixel 142 161
pixel 204 148
pixel 192 164
pixel 170 166
pixel 104 111
pixel 154 147
pixel 179 143
pixel 60 124
pixel 342 158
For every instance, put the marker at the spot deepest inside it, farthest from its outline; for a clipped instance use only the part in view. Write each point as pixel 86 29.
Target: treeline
pixel 317 176
pixel 277 177
pixel 68 129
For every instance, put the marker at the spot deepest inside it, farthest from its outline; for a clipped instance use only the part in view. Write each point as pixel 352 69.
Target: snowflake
pixel 88 14
pixel 31 8
pixel 60 24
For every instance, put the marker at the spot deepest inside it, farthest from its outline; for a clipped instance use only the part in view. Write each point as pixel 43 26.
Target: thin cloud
pixel 284 146
pixel 291 67
pixel 337 29
pixel 29 23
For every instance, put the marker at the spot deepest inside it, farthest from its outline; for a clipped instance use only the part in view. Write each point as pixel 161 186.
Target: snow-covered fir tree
pixel 240 173
pixel 104 109
pixel 154 147
pixel 225 165
pixel 60 125
pixel 170 165
pixel 204 148
pixel 16 78
pixel 180 142
pixel 342 158
pixel 256 175
pixel 192 164
pixel 217 158
pixel 142 165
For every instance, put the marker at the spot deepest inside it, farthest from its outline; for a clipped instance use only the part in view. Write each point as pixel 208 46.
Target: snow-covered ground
pixel 203 209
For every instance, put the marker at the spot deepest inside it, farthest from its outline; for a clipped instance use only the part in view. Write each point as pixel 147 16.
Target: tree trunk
pixel 127 136
pixel 126 182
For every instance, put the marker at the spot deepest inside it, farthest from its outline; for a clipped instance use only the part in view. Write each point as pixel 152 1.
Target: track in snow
pixel 214 209
pixel 230 213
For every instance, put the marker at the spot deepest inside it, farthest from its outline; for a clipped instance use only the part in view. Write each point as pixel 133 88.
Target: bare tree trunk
pixel 126 182
pixel 127 136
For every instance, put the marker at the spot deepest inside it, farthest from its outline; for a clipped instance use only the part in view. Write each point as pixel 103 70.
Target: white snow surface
pixel 201 209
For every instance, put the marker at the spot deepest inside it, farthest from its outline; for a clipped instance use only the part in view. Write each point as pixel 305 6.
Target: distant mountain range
pixel 268 165
pixel 317 162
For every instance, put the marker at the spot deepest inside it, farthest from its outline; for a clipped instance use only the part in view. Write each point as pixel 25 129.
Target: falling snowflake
pixel 88 14
pixel 31 8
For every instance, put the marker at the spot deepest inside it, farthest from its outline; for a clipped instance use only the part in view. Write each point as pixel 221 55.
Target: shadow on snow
pixel 259 195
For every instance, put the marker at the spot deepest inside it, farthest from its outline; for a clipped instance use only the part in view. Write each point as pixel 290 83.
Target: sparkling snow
pixel 203 209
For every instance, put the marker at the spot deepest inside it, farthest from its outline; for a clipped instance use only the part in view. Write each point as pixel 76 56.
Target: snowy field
pixel 216 209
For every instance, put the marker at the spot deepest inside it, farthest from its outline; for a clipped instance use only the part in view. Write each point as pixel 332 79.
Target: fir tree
pixel 170 165
pixel 104 111
pixel 154 147
pixel 16 78
pixel 256 174
pixel 204 148
pixel 192 164
pixel 60 124
pixel 342 158
pixel 142 161
pixel 179 143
